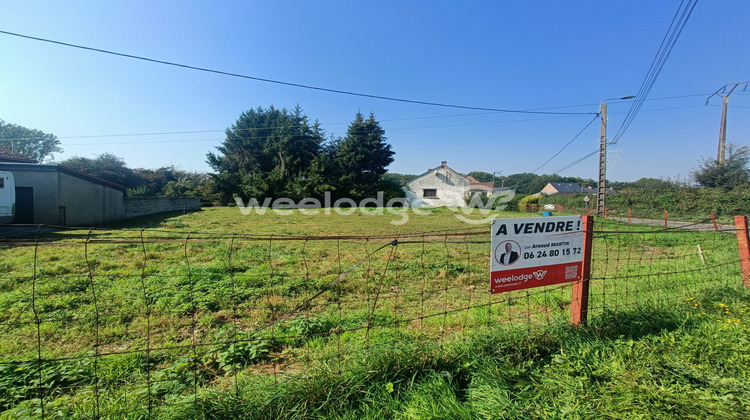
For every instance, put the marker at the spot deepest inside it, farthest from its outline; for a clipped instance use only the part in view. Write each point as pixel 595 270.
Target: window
pixel 430 193
pixel 2 183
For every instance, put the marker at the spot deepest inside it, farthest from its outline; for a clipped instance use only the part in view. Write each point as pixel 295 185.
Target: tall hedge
pixel 693 203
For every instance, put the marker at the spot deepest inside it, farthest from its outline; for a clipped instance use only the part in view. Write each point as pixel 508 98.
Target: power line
pixel 279 82
pixel 567 144
pixel 142 142
pixel 665 49
pixel 265 128
pixel 611 142
pixel 577 161
pixel 166 133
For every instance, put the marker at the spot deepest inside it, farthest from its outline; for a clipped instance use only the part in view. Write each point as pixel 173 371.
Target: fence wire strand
pixel 148 319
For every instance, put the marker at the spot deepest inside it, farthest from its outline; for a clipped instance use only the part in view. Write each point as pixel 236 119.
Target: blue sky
pixel 517 55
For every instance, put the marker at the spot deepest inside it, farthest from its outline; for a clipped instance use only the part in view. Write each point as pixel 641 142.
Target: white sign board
pixel 535 251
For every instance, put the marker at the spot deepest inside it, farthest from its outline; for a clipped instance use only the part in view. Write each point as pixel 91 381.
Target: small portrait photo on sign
pixel 507 252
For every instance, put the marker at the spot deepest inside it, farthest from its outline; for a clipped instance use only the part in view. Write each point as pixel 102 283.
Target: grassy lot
pixel 222 315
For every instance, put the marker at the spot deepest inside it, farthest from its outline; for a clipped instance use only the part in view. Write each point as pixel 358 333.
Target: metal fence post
pixel 579 304
pixel 740 222
pixel 713 219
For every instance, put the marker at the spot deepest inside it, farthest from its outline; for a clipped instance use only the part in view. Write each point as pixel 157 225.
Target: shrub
pixel 525 203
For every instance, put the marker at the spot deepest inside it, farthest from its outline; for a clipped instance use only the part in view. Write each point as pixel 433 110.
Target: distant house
pixel 7 155
pixel 564 188
pixel 443 186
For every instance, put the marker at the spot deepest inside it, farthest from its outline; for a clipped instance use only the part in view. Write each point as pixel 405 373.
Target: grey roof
pixel 432 171
pixel 29 167
pixel 571 188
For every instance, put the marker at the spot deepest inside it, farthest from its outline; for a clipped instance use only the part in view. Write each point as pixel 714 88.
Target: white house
pixel 442 186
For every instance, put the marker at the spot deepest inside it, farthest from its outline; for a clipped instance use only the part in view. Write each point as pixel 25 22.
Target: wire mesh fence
pixel 125 323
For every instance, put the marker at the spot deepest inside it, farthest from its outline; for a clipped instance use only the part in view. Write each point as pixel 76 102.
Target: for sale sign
pixel 535 251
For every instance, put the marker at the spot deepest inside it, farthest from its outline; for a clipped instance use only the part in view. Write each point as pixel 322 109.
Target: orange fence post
pixel 579 304
pixel 628 216
pixel 713 219
pixel 740 222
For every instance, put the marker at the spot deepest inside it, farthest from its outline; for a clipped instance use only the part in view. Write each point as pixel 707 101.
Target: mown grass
pixel 218 315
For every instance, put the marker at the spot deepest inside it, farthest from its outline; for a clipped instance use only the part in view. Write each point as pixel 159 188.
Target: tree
pixel 645 184
pixel 266 153
pixel 156 179
pixel 361 158
pixel 482 176
pixel 169 181
pixel 108 167
pixel 528 183
pixel 731 173
pixel 29 142
pixel 522 183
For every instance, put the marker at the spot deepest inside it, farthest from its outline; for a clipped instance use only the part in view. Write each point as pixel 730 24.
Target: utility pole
pixel 723 127
pixel 601 188
pixel 494 177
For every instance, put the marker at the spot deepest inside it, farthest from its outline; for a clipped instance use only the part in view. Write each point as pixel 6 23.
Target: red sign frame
pixel 524 278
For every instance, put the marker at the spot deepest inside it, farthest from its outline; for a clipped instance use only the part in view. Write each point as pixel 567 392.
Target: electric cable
pixel 668 42
pixel 279 82
pixel 166 133
pixel 665 49
pixel 566 145
pixel 577 161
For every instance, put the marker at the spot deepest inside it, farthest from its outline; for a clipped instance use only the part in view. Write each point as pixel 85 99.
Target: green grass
pixel 219 315
pixel 650 363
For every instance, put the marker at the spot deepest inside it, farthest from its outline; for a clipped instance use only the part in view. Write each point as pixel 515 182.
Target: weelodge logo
pixel 343 206
pixel 539 275
pixel 374 206
pixel 510 279
pixel 485 208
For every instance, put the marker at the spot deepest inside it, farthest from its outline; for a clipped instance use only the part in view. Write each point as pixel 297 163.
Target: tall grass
pixel 216 315
pixel 659 362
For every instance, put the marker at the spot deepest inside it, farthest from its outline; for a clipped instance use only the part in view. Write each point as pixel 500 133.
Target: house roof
pixel 481 186
pixel 91 178
pixel 474 184
pixel 7 155
pixel 570 187
pixel 573 188
pixel 19 166
pixel 433 171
